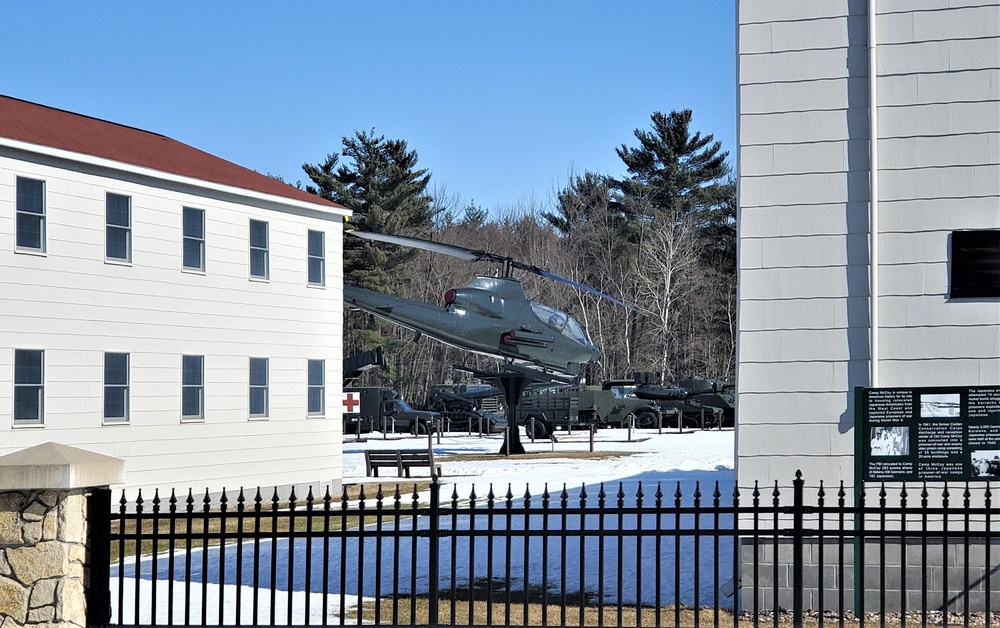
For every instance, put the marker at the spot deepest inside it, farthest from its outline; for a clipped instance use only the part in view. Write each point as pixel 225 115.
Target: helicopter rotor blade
pixel 418 243
pixel 585 288
pixel 473 255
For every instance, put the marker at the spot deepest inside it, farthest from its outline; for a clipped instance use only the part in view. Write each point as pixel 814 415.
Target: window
pixel 194 238
pixel 258 249
pixel 317 387
pixel 192 387
pixel 975 264
pixel 29 386
pixel 119 227
pixel 317 258
pixel 258 387
pixel 116 387
pixel 30 214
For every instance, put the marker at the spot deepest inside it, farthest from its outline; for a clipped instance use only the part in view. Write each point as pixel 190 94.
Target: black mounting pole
pixel 513 385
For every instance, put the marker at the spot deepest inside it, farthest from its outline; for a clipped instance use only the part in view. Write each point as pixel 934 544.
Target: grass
pixel 485 614
pixel 189 530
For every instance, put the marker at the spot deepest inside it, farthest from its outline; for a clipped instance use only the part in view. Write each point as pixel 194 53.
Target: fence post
pixel 797 535
pixel 434 550
pixel 99 542
pixel 52 573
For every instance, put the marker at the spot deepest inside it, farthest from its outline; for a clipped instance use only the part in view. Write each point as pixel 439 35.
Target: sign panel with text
pixel 930 434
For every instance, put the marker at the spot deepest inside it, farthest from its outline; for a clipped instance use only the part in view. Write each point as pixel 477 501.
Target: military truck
pixel 381 408
pixel 462 406
pixel 580 407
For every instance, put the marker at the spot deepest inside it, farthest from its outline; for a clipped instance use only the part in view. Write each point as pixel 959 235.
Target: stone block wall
pixel 43 555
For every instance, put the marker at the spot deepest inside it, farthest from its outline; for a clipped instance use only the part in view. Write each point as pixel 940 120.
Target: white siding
pixel 76 306
pixel 803 218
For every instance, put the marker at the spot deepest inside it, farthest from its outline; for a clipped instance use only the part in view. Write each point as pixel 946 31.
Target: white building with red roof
pixel 165 306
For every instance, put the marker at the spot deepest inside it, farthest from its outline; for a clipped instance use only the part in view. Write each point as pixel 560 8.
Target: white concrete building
pixel 817 80
pixel 166 307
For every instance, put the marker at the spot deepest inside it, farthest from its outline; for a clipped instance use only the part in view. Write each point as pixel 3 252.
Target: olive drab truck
pixel 380 408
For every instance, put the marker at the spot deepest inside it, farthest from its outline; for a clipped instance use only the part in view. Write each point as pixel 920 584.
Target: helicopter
pixel 490 315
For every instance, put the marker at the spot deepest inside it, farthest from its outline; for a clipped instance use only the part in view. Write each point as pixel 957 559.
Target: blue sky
pixel 501 100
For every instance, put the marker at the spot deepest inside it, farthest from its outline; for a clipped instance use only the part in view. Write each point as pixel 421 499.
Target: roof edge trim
pixel 102 162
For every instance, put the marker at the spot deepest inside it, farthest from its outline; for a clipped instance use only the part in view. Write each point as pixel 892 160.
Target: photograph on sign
pixel 940 406
pixel 986 463
pixel 890 441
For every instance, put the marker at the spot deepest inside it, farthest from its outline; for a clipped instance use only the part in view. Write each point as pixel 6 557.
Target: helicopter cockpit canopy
pixel 565 323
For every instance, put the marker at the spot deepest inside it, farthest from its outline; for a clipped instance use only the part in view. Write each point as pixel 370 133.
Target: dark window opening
pixel 975 264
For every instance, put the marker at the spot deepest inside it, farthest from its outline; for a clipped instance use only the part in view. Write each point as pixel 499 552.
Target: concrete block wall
pixel 917 575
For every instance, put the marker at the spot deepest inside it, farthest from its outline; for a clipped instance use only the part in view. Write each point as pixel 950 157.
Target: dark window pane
pixel 258 371
pixel 118 210
pixel 27 403
pixel 194 223
pixel 29 231
pixel 315 401
pixel 192 254
pixel 258 234
pixel 116 369
pixel 316 243
pixel 316 372
pixel 258 401
pixel 114 402
pixel 193 372
pixel 315 270
pixel 27 367
pixel 258 263
pixel 30 196
pixel 975 264
pixel 117 241
pixel 191 402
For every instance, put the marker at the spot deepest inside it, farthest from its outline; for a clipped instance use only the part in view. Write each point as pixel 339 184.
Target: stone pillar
pixel 44 557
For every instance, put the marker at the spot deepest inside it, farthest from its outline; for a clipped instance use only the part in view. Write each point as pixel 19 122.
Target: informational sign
pixel 930 434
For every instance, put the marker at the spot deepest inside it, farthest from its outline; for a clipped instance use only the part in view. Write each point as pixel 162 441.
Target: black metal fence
pixel 636 555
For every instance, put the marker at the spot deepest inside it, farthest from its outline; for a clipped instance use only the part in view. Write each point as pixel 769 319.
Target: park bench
pixel 400 459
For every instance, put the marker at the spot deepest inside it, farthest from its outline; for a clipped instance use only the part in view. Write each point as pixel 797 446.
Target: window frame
pixel 265 387
pixel 264 251
pixel 311 386
pixel 110 228
pixel 198 240
pixel 319 258
pixel 20 212
pixel 199 387
pixel 122 388
pixel 39 420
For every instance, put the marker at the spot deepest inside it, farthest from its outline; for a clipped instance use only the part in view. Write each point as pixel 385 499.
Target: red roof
pixel 38 124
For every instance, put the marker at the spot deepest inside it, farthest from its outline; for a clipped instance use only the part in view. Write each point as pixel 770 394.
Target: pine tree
pixel 388 194
pixel 672 170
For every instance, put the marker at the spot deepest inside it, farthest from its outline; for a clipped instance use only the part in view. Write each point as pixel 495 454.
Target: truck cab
pixel 383 409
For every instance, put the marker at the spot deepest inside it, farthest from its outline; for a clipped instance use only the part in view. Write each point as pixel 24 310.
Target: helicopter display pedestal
pixel 513 384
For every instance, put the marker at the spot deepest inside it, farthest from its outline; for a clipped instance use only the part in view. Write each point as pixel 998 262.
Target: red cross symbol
pixel 351 402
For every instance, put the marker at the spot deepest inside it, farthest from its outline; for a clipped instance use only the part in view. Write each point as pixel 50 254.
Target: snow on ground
pixel 650 452
pixel 210 603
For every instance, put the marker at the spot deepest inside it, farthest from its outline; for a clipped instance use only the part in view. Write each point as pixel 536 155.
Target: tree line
pixel 661 238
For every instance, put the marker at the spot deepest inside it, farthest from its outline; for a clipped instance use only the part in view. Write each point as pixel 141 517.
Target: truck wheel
pixel 540 431
pixel 646 419
pixel 418 428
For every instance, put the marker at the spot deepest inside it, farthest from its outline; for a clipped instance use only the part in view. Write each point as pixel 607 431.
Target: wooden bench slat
pixel 402 459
